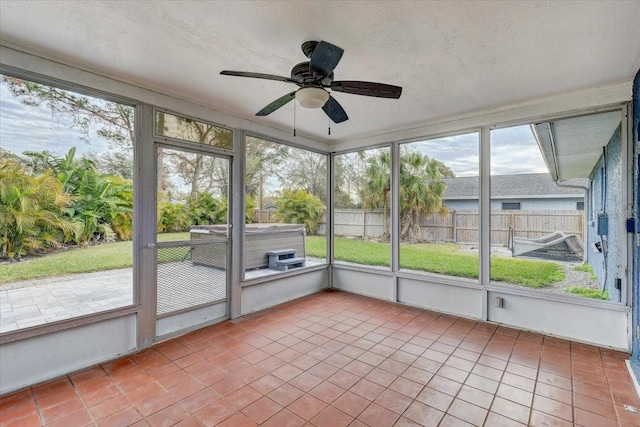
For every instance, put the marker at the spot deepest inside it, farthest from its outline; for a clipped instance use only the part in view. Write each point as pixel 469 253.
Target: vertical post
pixel 330 221
pixel 236 236
pixel 144 225
pixel 512 223
pixel 364 224
pixel 395 215
pixel 260 198
pixel 485 213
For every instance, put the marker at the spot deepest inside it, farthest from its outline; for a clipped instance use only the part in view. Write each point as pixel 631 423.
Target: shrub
pixel 204 209
pixel 172 217
pixel 100 203
pixel 31 211
pixel 300 207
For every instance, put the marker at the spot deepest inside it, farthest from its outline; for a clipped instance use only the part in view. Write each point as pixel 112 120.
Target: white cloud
pixel 34 128
pixel 513 151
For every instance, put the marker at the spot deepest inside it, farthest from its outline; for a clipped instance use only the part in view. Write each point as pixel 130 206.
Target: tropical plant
pixel 31 211
pixel 204 209
pixel 99 202
pixel 249 208
pixel 300 207
pixel 376 191
pixel 421 189
pixel 121 219
pixel 172 216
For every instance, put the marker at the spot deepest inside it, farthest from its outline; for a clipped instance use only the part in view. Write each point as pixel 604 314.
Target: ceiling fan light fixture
pixel 312 97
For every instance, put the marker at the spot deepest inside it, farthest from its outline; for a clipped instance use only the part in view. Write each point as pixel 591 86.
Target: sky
pixel 513 151
pixel 29 128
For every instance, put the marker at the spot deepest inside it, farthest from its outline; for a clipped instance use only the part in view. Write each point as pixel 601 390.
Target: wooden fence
pixel 463 226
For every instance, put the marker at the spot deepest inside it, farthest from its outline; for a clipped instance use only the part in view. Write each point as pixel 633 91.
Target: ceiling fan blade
pixel 379 90
pixel 280 102
pixel 335 111
pixel 258 76
pixel 324 59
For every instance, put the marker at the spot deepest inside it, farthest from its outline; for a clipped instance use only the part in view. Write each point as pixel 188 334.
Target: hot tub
pixel 259 239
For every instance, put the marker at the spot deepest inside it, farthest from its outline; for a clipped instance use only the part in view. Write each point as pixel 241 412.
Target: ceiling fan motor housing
pixel 312 97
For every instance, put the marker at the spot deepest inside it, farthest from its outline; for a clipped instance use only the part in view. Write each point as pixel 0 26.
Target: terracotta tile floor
pixel 335 359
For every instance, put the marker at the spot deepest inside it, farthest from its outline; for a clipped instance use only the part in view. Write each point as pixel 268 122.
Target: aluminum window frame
pixel 74 322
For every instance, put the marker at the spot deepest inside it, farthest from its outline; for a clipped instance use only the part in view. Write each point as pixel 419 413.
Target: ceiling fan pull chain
pixel 294 119
pixel 329 121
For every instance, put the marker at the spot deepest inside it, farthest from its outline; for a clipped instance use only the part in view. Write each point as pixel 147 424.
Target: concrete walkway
pixel 39 301
pixel 180 286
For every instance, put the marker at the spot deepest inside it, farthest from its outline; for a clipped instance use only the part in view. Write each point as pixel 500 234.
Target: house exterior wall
pixel 606 199
pixel 548 204
pixel 462 205
pixel 635 287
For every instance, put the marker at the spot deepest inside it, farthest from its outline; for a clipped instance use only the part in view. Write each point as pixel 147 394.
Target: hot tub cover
pixel 221 229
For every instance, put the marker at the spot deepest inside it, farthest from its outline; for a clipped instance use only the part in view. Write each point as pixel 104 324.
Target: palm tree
pixel 376 191
pixel 421 189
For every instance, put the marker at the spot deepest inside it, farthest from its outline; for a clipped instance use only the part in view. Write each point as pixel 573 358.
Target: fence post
pixel 364 225
pixel 512 223
pixel 455 226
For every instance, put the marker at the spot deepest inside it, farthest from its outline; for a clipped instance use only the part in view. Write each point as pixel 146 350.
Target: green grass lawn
pixel 441 258
pixel 588 293
pixel 78 260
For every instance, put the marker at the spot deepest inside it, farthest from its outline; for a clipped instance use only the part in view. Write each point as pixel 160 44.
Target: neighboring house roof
pixel 531 186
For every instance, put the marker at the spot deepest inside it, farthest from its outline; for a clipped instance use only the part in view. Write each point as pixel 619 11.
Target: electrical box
pixel 603 225
pixel 631 225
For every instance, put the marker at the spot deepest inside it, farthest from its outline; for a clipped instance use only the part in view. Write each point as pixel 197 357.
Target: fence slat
pixel 462 226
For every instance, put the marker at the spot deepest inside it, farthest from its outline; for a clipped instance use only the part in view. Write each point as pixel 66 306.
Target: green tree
pixel 421 189
pixel 262 160
pixel 305 170
pixel 114 122
pixel 31 211
pixel 300 207
pixel 375 193
pixel 348 179
pixel 203 173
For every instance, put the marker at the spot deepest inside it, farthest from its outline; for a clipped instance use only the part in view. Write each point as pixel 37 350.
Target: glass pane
pixel 192 130
pixel 537 226
pixel 192 229
pixel 286 193
pixel 439 219
pixel 66 204
pixel 362 207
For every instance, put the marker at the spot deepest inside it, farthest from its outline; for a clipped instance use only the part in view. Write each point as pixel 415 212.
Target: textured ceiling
pixel 450 57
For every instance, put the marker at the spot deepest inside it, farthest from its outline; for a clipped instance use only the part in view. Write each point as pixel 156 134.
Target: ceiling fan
pixel 314 77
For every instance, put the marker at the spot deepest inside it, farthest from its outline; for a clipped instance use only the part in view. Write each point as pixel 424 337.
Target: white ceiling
pixel 450 57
